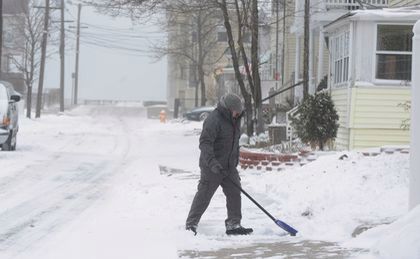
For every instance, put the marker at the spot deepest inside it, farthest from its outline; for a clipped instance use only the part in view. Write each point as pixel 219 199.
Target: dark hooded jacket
pixel 219 140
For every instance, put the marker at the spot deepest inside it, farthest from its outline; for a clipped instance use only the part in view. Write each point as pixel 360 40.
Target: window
pixel 182 72
pixel 266 68
pixel 8 38
pixel 13 62
pixel 340 57
pixel 246 38
pixel 222 36
pixel 393 52
pixel 194 36
pixel 192 76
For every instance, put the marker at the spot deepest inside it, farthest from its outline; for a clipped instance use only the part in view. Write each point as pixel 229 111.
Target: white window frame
pixel 221 29
pixel 340 58
pixel 12 59
pixel 375 52
pixel 190 76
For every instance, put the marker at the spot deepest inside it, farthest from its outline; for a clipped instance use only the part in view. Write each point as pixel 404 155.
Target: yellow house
pixel 370 75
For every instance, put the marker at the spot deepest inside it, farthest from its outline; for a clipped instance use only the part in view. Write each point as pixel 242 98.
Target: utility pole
pixel 61 51
pixel 195 20
pixel 255 65
pixel 76 71
pixel 43 58
pixel 62 58
pixel 284 43
pixel 306 51
pixel 276 76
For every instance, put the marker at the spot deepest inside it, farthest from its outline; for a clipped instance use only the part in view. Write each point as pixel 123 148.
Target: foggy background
pixel 113 58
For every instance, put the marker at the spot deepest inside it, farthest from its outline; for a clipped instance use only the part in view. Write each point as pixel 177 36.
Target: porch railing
pixel 353 4
pixel 289 129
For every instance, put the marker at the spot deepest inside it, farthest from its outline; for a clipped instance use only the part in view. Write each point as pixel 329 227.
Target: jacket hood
pixel 226 113
pixel 232 102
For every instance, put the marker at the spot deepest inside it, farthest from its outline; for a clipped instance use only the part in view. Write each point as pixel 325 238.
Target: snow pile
pixel 400 239
pixel 329 198
pixel 261 138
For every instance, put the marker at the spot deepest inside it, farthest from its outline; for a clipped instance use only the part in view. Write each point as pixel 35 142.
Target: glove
pixel 216 169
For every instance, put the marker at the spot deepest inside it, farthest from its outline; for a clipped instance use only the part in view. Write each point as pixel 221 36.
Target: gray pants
pixel 209 182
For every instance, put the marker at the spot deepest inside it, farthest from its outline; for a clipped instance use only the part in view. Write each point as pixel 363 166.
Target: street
pixel 106 182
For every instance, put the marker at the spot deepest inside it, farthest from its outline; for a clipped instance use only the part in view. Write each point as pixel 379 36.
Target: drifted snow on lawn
pixel 140 211
pixel 401 239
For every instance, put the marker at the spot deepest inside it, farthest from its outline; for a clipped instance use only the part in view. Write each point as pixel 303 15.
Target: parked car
pixel 9 116
pixel 199 113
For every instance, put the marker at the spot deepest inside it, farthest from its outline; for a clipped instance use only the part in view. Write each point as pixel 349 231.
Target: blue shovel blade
pixel 286 227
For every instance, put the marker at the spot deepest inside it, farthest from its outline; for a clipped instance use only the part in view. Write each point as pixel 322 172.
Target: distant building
pixel 281 61
pixel 13 42
pixel 184 45
pixel 219 74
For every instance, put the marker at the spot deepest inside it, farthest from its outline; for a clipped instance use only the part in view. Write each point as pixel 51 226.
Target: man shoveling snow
pixel 219 145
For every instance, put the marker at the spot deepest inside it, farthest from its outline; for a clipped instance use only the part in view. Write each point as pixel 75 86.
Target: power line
pixel 112 50
pixel 124 42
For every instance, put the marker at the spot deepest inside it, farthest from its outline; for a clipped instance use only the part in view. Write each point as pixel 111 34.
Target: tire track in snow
pixel 34 219
pixel 62 195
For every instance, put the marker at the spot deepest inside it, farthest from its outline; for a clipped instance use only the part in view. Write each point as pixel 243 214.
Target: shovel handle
pixel 278 222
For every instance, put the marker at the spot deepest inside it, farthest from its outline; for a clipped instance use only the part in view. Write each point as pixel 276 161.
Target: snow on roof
pixel 411 13
pixel 403 13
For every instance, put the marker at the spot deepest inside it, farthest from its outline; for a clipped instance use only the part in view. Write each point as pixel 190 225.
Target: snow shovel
pixel 278 222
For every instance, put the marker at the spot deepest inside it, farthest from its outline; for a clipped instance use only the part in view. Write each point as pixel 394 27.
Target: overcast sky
pixel 109 72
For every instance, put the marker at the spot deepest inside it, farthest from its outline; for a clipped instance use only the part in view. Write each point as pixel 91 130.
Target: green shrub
pixel 316 120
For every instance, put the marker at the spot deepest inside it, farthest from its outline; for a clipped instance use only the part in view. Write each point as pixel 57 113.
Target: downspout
pixel 350 85
pixel 320 70
pixel 297 90
pixel 414 193
pixel 311 61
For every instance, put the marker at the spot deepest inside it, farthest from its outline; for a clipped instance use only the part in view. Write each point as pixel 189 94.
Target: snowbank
pixel 329 198
pixel 400 239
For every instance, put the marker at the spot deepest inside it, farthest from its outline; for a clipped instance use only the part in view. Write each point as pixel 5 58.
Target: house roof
pixel 15 6
pixel 411 13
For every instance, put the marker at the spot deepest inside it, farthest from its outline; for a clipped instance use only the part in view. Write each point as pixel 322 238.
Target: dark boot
pixel 239 231
pixel 192 229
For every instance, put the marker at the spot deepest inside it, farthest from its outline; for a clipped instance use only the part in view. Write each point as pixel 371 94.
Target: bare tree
pixel 236 64
pixel 195 42
pixel 30 27
pixel 245 15
pixel 44 43
pixel 255 62
pixel 247 20
pixel 133 8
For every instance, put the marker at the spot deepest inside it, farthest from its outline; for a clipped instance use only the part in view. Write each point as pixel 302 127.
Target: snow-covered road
pixel 87 184
pixel 106 182
pixel 60 169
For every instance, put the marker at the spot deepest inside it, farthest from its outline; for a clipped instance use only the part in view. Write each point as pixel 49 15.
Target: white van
pixel 9 116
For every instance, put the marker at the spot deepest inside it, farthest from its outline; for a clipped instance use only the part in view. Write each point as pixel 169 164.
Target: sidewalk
pixel 303 249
